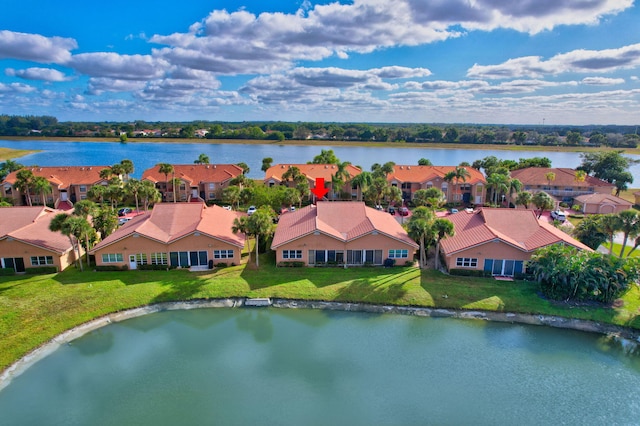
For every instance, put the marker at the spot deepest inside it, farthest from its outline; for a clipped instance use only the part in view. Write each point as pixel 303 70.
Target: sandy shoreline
pixel 629 339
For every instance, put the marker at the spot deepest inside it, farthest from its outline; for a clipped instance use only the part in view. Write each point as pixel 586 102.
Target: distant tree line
pixel 610 135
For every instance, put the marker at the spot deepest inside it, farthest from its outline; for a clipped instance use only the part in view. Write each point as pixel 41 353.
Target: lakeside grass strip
pixel 35 309
pixel 10 153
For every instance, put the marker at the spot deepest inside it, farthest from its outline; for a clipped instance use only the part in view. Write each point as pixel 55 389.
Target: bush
pixel 388 263
pixel 564 205
pixel 107 268
pixel 41 270
pixel 7 271
pixel 155 267
pixel 576 207
pixel 470 273
pixel 291 264
pixel 221 265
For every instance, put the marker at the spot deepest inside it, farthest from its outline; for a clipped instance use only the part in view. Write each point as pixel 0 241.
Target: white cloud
pixel 580 60
pixel 16 88
pixel 35 47
pixel 602 81
pixel 116 66
pixel 98 86
pixel 45 74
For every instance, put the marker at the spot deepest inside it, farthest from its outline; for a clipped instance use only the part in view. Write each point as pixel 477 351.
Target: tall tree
pixel 608 165
pixel 149 194
pixel 266 163
pixel 24 180
pixel 42 187
pixel 245 168
pixel 362 181
pixel 524 199
pixel 629 226
pixel 419 227
pixel 326 157
pixel 166 169
pixel 611 224
pixel 202 159
pixel 442 228
pixel 127 168
pixel 589 231
pixel 133 187
pixel 543 201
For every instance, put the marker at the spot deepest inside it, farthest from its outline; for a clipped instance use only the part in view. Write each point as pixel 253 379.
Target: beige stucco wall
pixel 491 250
pixel 136 245
pixel 605 208
pixel 25 251
pixel 324 242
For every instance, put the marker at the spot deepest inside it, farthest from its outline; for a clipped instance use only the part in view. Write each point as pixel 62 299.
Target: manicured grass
pixel 617 247
pixel 34 309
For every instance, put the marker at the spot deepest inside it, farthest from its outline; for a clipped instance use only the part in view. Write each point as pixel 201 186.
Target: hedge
pixel 470 273
pixel 7 271
pixel 41 270
pixel 112 268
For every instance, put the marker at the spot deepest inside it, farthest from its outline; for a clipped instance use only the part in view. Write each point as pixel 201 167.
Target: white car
pixel 558 215
pixel 251 210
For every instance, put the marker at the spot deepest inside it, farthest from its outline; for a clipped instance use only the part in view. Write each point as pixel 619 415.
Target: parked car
pixel 403 211
pixel 251 210
pixel 227 207
pixel 392 210
pixel 558 215
pixel 124 211
pixel 454 211
pixel 123 220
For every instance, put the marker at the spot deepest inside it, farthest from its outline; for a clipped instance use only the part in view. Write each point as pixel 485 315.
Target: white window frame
pixel 398 253
pixel 159 258
pixel 112 258
pixel 223 254
pixel 41 260
pixel 467 262
pixel 292 254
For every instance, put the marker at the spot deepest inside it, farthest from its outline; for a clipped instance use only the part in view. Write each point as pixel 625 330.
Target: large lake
pixel 146 155
pixel 306 367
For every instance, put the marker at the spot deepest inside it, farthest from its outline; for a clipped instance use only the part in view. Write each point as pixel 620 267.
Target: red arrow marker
pixel 320 191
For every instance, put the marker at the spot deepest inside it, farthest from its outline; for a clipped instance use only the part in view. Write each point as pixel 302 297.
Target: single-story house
pixel 274 176
pixel 343 233
pixel 602 203
pixel 27 242
pixel 565 184
pixel 412 178
pixel 186 235
pixel 68 185
pixel 198 182
pixel 499 241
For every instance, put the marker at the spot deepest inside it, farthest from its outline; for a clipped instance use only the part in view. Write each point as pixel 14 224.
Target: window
pixel 406 185
pixel 41 260
pixel 141 258
pixel 112 257
pixel 159 259
pixel 83 188
pixel 212 195
pixel 223 254
pixel 212 186
pixel 467 262
pixel 83 197
pixel 183 187
pixel 292 254
pixel 398 254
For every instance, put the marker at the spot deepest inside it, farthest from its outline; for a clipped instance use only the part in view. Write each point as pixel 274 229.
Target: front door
pixel 63 196
pixel 132 262
pixel 194 192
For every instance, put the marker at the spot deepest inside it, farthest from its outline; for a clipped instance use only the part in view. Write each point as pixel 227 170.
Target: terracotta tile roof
pixel 423 174
pixel 516 227
pixel 195 174
pixel 311 171
pixel 342 220
pixel 564 177
pixel 30 225
pixel 63 176
pixel 168 222
pixel 602 199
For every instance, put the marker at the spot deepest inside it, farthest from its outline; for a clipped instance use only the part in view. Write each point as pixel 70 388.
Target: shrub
pixel 291 264
pixel 388 263
pixel 41 270
pixel 107 268
pixel 221 265
pixel 154 267
pixel 469 272
pixel 576 207
pixel 7 271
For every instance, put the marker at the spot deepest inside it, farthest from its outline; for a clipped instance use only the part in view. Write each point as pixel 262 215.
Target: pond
pixel 145 155
pixel 311 367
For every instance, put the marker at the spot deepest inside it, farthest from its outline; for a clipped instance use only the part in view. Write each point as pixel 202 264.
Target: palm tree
pixel 339 178
pixel 580 176
pixel 498 183
pixel 41 186
pixel 231 195
pixel 105 221
pixel 266 163
pixel 202 159
pixel 166 169
pixel 245 168
pixel 442 228
pixel 24 180
pixel 97 193
pixel 421 198
pixel 542 201
pixel 611 224
pixel 550 177
pixel 62 223
pixel 149 194
pixel 420 230
pixel 515 186
pixel 127 168
pixel 362 181
pixel 259 224
pixel 175 182
pixel 460 173
pixel 629 226
pixel 240 225
pixel 133 187
pixel 524 199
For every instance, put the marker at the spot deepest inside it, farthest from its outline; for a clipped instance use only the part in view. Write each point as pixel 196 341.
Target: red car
pixel 403 211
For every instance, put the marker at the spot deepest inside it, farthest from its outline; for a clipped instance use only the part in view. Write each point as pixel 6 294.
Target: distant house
pixel 68 185
pixel 27 242
pixel 601 203
pixel 412 178
pixel 274 176
pixel 499 241
pixel 187 235
pixel 564 186
pixel 343 233
pixel 198 182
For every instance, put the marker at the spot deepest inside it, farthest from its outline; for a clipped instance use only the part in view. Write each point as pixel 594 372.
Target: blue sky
pixel 431 61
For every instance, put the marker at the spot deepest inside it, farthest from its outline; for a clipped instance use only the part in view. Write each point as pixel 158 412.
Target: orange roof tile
pixel 342 220
pixel 168 222
pixel 63 176
pixel 311 171
pixel 195 174
pixel 598 198
pixel 30 225
pixel 516 227
pixel 564 177
pixel 423 174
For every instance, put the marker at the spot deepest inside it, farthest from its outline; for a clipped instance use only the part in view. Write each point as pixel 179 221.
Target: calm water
pixel 146 155
pixel 287 367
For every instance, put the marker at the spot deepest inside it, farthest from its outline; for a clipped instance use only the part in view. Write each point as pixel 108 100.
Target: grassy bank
pixel 488 147
pixel 33 309
pixel 8 153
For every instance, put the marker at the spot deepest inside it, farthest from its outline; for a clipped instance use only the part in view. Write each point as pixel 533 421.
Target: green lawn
pixel 33 309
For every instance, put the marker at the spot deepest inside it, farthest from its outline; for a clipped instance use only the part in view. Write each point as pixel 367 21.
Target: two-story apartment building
pixel 68 185
pixel 204 182
pixel 409 179
pixel 277 175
